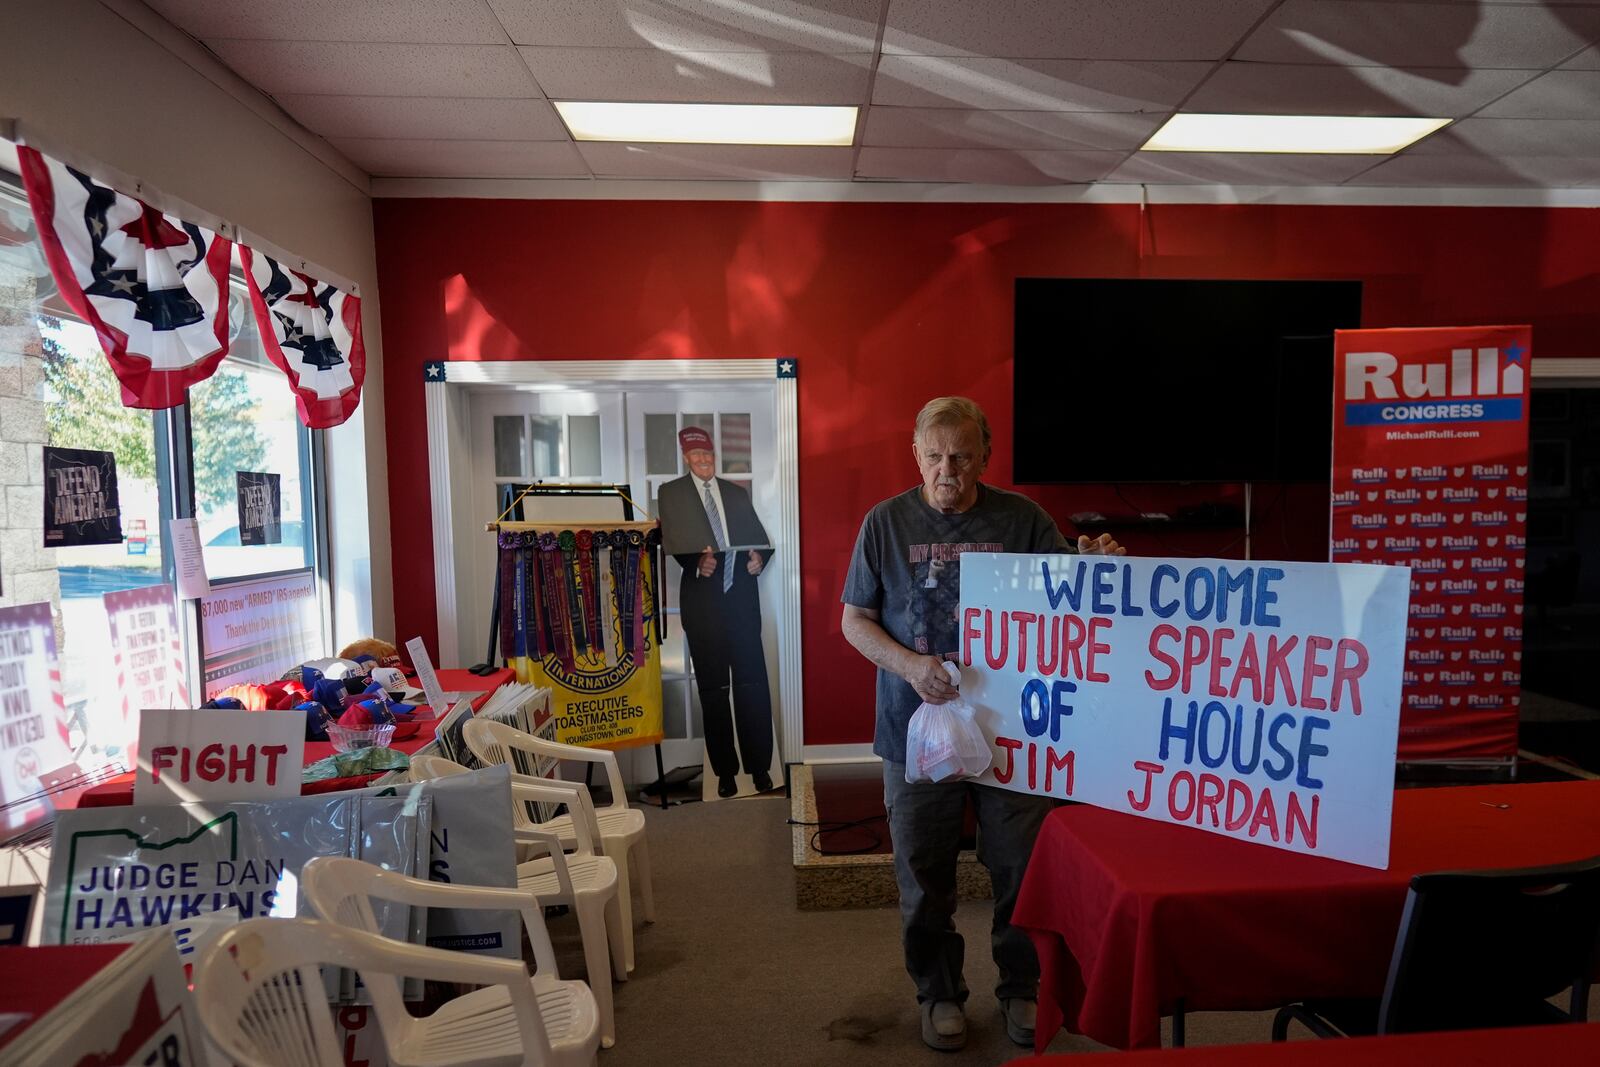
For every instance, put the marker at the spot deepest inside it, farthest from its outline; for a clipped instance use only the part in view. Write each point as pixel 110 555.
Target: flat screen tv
pixel 1162 380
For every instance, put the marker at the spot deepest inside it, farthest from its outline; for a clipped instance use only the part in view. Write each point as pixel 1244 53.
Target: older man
pixel 900 602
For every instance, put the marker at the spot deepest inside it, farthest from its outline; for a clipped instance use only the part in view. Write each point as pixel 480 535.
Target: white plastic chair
pixel 262 1000
pixel 621 827
pixel 584 881
pixel 342 890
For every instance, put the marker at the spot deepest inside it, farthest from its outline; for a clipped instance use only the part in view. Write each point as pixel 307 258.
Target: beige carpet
pixel 731 973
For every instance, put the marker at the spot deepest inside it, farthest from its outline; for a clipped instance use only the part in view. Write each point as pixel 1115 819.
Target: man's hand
pixel 708 562
pixel 754 566
pixel 1104 545
pixel 927 676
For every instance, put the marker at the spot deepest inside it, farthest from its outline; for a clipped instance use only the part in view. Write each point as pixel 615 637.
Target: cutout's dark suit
pixel 723 629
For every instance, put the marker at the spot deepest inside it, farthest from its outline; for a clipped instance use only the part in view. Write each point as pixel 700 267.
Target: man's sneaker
pixel 1021 1019
pixel 944 1027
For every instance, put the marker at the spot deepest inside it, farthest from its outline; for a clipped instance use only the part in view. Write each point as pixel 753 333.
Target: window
pixel 547 448
pixel 57 388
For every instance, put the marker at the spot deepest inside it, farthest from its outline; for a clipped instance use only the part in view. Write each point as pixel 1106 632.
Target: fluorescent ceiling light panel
pixel 781 124
pixel 1310 134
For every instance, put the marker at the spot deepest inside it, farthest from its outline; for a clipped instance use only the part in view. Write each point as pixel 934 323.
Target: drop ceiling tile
pixel 426 118
pixel 732 162
pixel 915 127
pixel 1588 59
pixel 1239 168
pixel 1034 84
pixel 1319 89
pixel 1510 139
pixel 700 77
pixel 1070 29
pixel 347 69
pixel 1560 94
pixel 1445 172
pixel 416 21
pixel 694 25
pixel 464 159
pixel 984 166
pixel 1398 34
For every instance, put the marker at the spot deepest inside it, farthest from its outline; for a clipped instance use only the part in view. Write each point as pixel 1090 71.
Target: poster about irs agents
pixel 80 498
pixel 33 720
pixel 260 508
pixel 1255 700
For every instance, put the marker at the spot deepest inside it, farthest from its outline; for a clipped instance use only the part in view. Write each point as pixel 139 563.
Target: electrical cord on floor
pixel 835 826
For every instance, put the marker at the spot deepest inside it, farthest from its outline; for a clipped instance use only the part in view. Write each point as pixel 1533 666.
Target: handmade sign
pixel 1430 470
pixel 254 631
pixel 114 870
pixel 218 754
pixel 1255 700
pixel 33 717
pixel 80 498
pixel 260 508
pixel 579 616
pixel 147 652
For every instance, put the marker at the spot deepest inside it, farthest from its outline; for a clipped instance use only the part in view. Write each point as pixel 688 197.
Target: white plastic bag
pixel 943 742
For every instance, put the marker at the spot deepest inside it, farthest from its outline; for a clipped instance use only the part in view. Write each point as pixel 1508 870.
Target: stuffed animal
pixel 382 651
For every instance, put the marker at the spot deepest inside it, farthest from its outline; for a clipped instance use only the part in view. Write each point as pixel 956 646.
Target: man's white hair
pixel 951 411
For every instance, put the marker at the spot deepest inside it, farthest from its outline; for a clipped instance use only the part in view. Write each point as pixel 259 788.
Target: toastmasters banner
pixel 1430 470
pixel 1255 700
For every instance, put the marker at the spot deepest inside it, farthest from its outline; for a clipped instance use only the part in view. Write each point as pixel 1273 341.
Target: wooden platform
pixel 852 866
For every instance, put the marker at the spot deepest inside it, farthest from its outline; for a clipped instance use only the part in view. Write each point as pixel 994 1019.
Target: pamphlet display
pixel 1257 700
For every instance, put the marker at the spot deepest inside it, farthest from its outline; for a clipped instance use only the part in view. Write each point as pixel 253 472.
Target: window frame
pixel 173 447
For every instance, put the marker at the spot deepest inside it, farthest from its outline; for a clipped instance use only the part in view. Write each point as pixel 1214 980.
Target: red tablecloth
pixel 34 980
pixel 119 790
pixel 1130 915
pixel 1459 1048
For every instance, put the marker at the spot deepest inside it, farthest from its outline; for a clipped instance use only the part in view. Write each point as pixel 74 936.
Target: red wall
pixel 886 305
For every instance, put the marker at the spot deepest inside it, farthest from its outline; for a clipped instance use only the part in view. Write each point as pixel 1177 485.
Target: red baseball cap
pixel 691 438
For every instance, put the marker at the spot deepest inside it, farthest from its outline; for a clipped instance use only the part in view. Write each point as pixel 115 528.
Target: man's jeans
pixel 925 827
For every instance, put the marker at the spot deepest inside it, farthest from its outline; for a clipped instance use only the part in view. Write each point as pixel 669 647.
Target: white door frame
pixel 445 449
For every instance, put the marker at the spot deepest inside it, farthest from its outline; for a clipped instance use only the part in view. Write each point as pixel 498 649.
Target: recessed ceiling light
pixel 779 124
pixel 1331 134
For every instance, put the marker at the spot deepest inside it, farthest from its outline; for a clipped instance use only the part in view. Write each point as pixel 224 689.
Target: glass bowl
pixel 346 739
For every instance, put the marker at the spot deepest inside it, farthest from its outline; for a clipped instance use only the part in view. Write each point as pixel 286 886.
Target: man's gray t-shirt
pixel 907 567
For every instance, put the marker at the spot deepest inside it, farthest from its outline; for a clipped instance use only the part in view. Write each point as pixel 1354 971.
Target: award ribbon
pixel 510 595
pixel 636 593
pixel 574 592
pixel 555 598
pixel 586 580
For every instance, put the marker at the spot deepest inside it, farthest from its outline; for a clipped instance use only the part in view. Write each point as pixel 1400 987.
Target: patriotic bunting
pixel 153 287
pixel 312 332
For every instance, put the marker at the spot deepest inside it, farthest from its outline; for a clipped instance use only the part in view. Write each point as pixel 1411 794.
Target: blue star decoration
pixel 788 368
pixel 1514 353
pixel 433 371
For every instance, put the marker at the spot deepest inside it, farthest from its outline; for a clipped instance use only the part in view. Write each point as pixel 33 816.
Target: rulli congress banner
pixel 1430 471
pixel 1251 699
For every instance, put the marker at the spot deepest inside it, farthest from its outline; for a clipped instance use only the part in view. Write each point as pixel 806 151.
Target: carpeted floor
pixel 731 973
